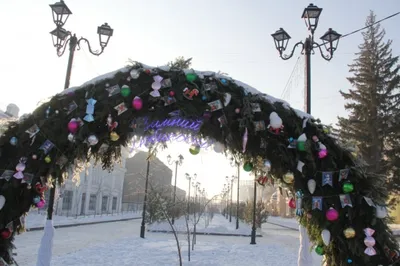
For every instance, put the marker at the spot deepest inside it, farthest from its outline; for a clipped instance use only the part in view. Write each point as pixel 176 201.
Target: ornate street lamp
pixel 330 41
pixel 61 38
pixel 177 162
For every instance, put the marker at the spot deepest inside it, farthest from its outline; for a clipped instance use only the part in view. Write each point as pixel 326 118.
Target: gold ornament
pixel 349 232
pixel 114 136
pixel 47 159
pixel 288 178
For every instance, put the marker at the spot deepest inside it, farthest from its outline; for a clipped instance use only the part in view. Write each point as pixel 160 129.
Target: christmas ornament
pixel 34 157
pixel 349 232
pixel 47 159
pixel 2 201
pixel 332 214
pixel 171 93
pixel 262 180
pixel 218 147
pixel 227 99
pixel 288 178
pixel 301 142
pixel 345 200
pixel 267 166
pixel 191 77
pixel 41 204
pixel 326 237
pixel 317 203
pixel 275 123
pixel 36 200
pixel 309 215
pixel 381 211
pixel 156 86
pixel 134 73
pixel 92 140
pixel 125 90
pixel 114 136
pixel 299 203
pixel 292 203
pixel 247 166
pixel 121 108
pixel 327 178
pixel 343 174
pixel 6 233
pixel 39 188
pixel 111 125
pixel 71 137
pixel 190 93
pixel 369 241
pixel 319 250
pixel 73 126
pixel 20 168
pixel 215 105
pixel 14 141
pixel 237 110
pixel 244 140
pixel 89 110
pixel 194 149
pixel 137 103
pixel 323 152
pixel 349 261
pixel 347 187
pixel 311 184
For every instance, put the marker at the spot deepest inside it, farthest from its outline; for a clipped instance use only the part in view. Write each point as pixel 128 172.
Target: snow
pixel 247 88
pixel 37 220
pixel 119 244
pixel 218 225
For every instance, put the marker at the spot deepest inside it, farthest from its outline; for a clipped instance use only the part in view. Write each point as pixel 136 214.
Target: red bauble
pixel 39 188
pixel 292 203
pixel 171 93
pixel 6 233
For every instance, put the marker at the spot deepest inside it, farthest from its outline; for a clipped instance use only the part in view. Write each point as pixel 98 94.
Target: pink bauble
pixel 322 154
pixel 332 214
pixel 20 167
pixel 292 203
pixel 41 204
pixel 73 126
pixel 137 103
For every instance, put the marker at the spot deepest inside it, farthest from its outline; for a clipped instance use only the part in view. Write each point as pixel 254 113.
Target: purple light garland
pixel 183 123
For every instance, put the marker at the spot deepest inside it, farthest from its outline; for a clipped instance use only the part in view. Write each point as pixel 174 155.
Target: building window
pixel 114 203
pixel 104 203
pixel 92 202
pixel 67 200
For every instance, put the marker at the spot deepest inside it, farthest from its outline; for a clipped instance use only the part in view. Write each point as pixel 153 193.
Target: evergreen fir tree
pixel 372 106
pixel 181 62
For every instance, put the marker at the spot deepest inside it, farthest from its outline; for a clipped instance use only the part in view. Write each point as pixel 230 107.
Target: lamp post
pixel 61 37
pixel 253 228
pixel 196 186
pixel 143 225
pixel 230 202
pixel 177 162
pixel 330 41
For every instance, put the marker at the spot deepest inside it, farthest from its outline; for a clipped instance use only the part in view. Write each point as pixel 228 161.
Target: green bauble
pixel 125 91
pixel 319 250
pixel 191 77
pixel 301 145
pixel 194 149
pixel 347 187
pixel 248 166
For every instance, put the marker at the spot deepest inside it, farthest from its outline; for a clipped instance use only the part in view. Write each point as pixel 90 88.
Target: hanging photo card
pixel 223 120
pixel 210 87
pixel 47 146
pixel 61 161
pixel 7 175
pixel 255 107
pixel 166 83
pixel 317 203
pixel 369 202
pixel 121 108
pixel 327 179
pixel 71 107
pixel 113 90
pixel 33 130
pixel 259 125
pixel 169 100
pixel 28 177
pixel 343 174
pixel 215 105
pixel 345 200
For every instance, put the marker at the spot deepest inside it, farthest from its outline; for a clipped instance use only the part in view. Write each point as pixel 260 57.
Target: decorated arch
pixel 341 206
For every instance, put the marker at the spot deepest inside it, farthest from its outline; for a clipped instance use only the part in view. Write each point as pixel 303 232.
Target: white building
pixel 98 192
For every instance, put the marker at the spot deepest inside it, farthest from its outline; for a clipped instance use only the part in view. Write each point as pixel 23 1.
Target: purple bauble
pixel 20 167
pixel 137 103
pixel 41 203
pixel 322 153
pixel 332 214
pixel 73 126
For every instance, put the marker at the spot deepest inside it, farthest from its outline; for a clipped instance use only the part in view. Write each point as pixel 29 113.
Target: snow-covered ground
pixel 293 223
pixel 218 225
pixel 119 244
pixel 35 220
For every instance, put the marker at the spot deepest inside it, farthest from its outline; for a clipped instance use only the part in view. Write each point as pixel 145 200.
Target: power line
pixel 368 26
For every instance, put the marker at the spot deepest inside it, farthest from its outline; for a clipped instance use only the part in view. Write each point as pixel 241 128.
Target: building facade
pixel 98 191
